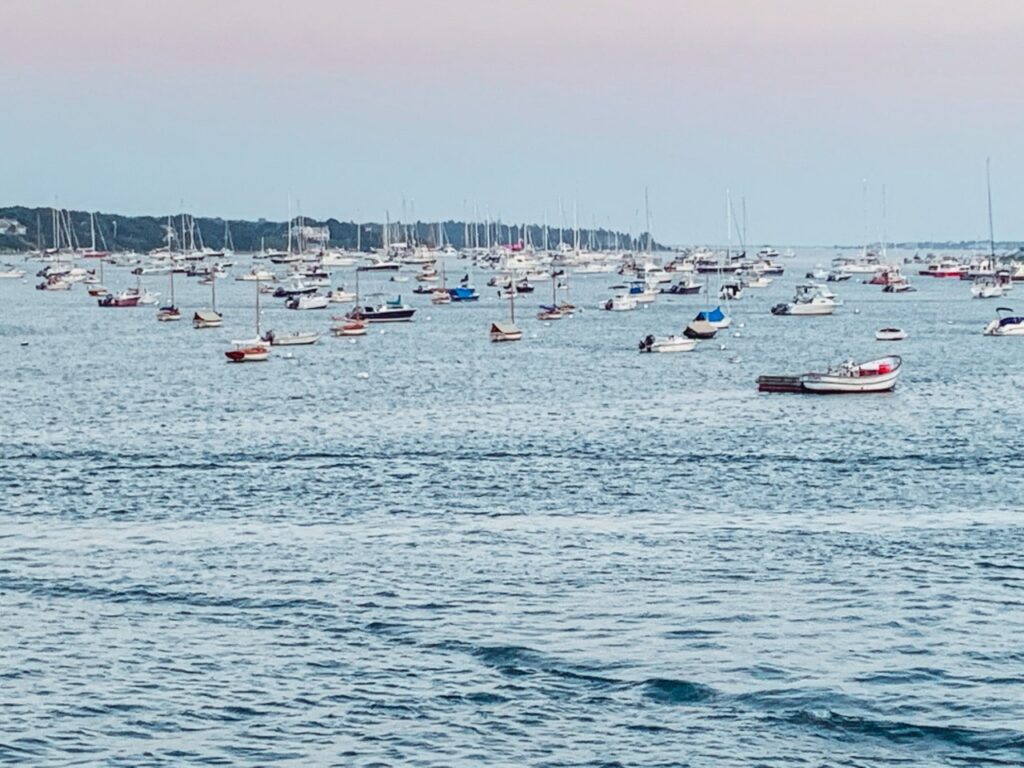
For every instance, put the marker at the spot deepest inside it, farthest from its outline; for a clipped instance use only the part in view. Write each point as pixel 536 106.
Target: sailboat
pixel 211 318
pixel 507 331
pixel 170 312
pixel 250 350
pixel 552 311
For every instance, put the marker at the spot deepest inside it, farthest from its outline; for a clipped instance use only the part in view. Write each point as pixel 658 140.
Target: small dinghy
pixel 847 378
pixel 667 344
pixel 890 334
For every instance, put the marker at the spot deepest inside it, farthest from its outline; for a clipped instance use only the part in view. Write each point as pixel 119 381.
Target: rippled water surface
pixel 421 548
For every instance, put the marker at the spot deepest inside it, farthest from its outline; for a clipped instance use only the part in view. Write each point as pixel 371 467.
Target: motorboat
pixel 731 291
pixel 295 339
pixel 207 318
pixel 667 344
pixel 890 334
pixel 340 296
pixel 391 311
pixel 986 288
pixel 168 314
pixel 505 332
pixel 759 281
pixel 377 264
pixel 622 302
pixel 847 378
pixel 817 274
pixel 642 292
pixel 248 351
pixel 1006 324
pixel 898 285
pixel 550 312
pixel 122 299
pixel 54 284
pixel 10 273
pixel 294 288
pixel 258 275
pixel 685 287
pixel 315 301
pixel 808 301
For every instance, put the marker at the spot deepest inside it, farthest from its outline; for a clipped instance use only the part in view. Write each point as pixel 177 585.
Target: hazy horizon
pixel 234 109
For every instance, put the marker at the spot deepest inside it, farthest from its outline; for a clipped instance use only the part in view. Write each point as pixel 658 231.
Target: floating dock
pixel 780 384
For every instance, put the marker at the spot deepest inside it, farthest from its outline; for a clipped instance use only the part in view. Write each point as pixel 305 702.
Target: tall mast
pixel 991 230
pixel 647 218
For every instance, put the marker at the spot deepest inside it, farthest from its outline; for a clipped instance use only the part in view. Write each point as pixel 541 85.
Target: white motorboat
pixel 340 296
pixel 849 377
pixel 622 302
pixel 758 282
pixel 890 334
pixel 294 339
pixel 986 288
pixel 667 344
pixel 808 301
pixel 1006 324
pixel 258 274
pixel 308 301
pixel 10 273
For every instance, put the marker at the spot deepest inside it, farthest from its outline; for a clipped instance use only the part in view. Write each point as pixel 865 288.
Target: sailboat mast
pixel 257 306
pixel 991 229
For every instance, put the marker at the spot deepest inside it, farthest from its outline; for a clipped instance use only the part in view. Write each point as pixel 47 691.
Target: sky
pixel 521 109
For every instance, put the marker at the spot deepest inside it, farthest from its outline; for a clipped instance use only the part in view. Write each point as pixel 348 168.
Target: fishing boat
pixel 390 311
pixel 847 378
pixel 315 301
pixel 667 344
pixel 294 339
pixel 1006 324
pixel 890 334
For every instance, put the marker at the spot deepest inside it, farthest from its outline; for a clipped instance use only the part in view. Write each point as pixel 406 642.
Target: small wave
pixel 670 691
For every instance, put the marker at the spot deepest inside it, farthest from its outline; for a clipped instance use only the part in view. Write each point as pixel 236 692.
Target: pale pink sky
pixel 659 92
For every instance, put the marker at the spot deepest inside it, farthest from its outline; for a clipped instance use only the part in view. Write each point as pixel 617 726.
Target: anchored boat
pixel 847 378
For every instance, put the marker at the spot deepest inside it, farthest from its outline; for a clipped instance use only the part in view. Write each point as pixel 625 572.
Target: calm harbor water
pixel 422 548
